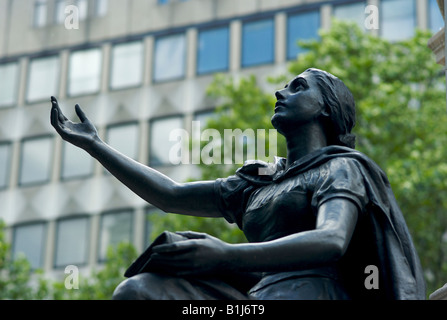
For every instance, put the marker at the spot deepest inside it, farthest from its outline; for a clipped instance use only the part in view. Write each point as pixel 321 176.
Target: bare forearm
pixel 153 186
pixel 146 182
pixel 311 249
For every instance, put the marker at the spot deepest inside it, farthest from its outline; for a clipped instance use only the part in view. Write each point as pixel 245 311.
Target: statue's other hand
pixel 200 254
pixel 81 134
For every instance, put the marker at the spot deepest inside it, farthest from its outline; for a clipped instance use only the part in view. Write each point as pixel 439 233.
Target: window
pixel 257 43
pixel 76 163
pixel 84 72
pixel 213 50
pixel 36 160
pixel 116 227
pixel 167 1
pixel 5 156
pixel 29 240
pixel 160 146
pixel 169 62
pixel 9 76
pixel 301 27
pixel 124 138
pixel 204 116
pixel 435 19
pixel 83 8
pixel 127 65
pixel 354 12
pixel 72 239
pixel 59 11
pixel 43 78
pixel 40 13
pixel 101 7
pixel 398 19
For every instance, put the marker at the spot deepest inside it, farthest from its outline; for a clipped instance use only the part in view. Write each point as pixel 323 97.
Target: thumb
pixel 80 113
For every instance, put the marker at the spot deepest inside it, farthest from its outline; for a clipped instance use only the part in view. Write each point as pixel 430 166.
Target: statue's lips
pixel 278 105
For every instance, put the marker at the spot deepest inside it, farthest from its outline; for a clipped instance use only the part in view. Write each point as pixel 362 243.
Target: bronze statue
pixel 325 215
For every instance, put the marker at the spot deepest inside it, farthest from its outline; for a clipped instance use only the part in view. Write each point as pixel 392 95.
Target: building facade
pixel 139 69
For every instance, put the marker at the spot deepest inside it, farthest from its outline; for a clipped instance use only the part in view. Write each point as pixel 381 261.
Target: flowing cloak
pixel 381 239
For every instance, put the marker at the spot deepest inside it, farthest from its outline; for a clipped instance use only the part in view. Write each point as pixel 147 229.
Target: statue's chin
pixel 276 123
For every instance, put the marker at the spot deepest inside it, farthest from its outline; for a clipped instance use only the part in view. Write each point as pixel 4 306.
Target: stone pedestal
pixel 437 45
pixel 440 294
pixel 437 42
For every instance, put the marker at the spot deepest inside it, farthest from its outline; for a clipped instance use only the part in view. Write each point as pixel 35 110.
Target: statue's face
pixel 300 102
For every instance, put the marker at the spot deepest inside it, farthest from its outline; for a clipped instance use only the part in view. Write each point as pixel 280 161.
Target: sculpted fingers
pixel 177 247
pixel 55 120
pixel 55 105
pixel 80 113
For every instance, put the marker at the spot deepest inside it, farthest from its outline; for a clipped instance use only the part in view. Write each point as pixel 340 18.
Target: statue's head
pixel 316 95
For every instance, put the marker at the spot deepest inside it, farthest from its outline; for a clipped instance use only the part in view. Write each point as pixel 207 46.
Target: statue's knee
pixel 129 289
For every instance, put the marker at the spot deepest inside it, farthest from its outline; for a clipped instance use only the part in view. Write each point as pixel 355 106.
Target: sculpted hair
pixel 340 102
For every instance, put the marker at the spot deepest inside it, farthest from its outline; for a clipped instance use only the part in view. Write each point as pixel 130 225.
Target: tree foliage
pixel 17 281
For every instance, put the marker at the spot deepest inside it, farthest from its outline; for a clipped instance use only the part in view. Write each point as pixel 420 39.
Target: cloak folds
pixel 381 239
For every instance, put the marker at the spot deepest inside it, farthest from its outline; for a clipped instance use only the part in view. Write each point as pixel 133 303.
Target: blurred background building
pixel 139 69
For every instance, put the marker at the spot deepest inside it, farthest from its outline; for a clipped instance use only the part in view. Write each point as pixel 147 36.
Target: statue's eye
pixel 299 84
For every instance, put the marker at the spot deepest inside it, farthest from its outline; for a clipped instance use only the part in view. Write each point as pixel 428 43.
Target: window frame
pixel 127 210
pixel 112 60
pixel 87 240
pixel 84 176
pixel 39 4
pixel 16 84
pixel 97 7
pixel 83 15
pixel 43 240
pixel 294 14
pixel 429 15
pixel 7 165
pixel 151 121
pixel 69 72
pixel 56 16
pixel 184 59
pixel 381 20
pixel 28 76
pixel 50 165
pixel 124 124
pixel 228 39
pixel 348 3
pixel 244 22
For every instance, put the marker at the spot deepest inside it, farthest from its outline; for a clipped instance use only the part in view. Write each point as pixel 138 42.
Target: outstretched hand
pixel 81 134
pixel 200 254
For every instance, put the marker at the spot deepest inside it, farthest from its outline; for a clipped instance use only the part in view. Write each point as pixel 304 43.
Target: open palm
pixel 81 134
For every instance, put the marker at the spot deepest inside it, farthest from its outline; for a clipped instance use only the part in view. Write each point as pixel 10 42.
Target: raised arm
pixel 196 198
